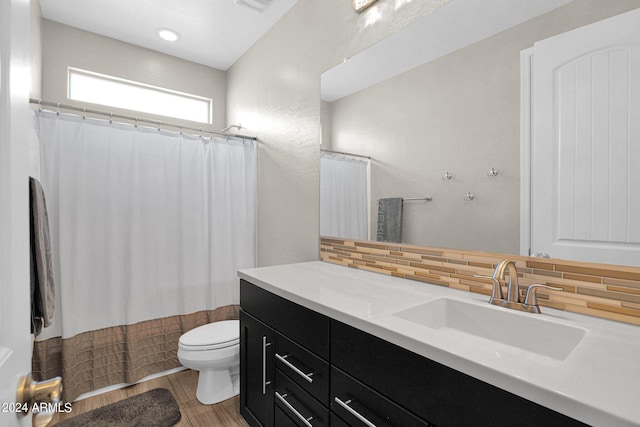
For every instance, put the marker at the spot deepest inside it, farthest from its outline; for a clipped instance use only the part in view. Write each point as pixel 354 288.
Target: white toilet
pixel 214 350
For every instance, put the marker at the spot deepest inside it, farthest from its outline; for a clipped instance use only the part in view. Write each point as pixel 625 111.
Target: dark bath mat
pixel 154 408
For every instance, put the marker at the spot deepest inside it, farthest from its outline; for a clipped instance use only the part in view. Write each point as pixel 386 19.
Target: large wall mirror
pixel 444 125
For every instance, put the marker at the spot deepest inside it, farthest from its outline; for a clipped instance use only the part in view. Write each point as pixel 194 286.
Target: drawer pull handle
pixel 284 360
pixel 353 412
pixel 281 398
pixel 265 344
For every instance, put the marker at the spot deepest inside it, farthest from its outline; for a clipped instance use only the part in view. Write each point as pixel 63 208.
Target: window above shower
pixel 87 86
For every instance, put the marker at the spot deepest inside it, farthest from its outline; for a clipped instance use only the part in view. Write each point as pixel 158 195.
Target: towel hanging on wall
pixel 389 220
pixel 43 295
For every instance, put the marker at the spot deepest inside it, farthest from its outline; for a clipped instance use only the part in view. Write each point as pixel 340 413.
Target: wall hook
pixel 492 172
pixel 469 197
pixel 447 176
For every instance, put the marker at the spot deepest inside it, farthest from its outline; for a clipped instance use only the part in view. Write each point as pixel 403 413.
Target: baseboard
pixel 123 385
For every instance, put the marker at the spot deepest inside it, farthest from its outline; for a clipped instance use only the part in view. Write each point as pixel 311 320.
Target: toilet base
pixel 217 363
pixel 216 386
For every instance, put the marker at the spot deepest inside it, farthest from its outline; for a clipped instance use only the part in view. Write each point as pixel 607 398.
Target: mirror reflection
pixel 448 129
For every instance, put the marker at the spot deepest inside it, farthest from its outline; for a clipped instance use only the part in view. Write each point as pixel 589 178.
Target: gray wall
pixel 274 90
pixel 461 114
pixel 64 46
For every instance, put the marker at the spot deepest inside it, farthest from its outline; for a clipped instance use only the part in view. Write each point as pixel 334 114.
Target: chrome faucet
pixel 513 300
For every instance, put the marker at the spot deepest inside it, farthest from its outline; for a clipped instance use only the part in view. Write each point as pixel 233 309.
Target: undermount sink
pixel 524 331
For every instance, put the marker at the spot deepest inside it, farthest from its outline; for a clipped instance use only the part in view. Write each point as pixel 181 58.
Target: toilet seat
pixel 212 336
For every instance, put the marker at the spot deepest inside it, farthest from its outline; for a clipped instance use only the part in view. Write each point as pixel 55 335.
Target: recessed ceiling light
pixel 167 34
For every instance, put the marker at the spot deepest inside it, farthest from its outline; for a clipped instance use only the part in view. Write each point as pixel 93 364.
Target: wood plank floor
pixel 183 387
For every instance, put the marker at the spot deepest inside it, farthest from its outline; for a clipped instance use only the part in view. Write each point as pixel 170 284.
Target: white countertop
pixel 598 383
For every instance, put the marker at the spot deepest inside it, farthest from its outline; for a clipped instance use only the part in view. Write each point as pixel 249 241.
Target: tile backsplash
pixel 601 290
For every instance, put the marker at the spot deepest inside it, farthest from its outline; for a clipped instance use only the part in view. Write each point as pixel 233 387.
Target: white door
pixel 15 339
pixel 585 161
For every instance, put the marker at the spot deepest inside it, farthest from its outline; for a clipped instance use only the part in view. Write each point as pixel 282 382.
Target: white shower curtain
pixel 344 197
pixel 145 223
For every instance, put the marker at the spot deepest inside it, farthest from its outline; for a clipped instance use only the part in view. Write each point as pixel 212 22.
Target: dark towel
pixel 389 220
pixel 43 297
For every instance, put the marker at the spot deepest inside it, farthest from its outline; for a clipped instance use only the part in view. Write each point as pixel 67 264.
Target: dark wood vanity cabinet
pixel 300 368
pixel 284 381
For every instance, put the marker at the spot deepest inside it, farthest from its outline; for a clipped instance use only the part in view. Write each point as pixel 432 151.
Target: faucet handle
pixel 530 297
pixel 496 291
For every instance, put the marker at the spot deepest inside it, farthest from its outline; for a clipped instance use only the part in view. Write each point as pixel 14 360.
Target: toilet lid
pixel 211 336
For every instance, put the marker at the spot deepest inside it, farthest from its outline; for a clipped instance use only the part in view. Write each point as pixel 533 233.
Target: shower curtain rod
pixel 136 119
pixel 345 154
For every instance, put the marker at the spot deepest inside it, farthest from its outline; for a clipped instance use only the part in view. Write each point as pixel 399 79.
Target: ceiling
pixel 455 25
pixel 217 32
pixel 212 32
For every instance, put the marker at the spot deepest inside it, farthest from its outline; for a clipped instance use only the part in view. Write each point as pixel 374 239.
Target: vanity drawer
pixel 304 326
pixel 282 419
pixel 303 368
pixel 355 402
pixel 337 422
pixel 299 405
pixel 432 391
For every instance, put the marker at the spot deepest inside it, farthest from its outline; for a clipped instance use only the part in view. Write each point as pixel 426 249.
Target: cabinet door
pixel 256 371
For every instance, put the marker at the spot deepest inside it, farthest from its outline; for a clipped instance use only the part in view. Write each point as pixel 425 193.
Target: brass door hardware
pixel 32 392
